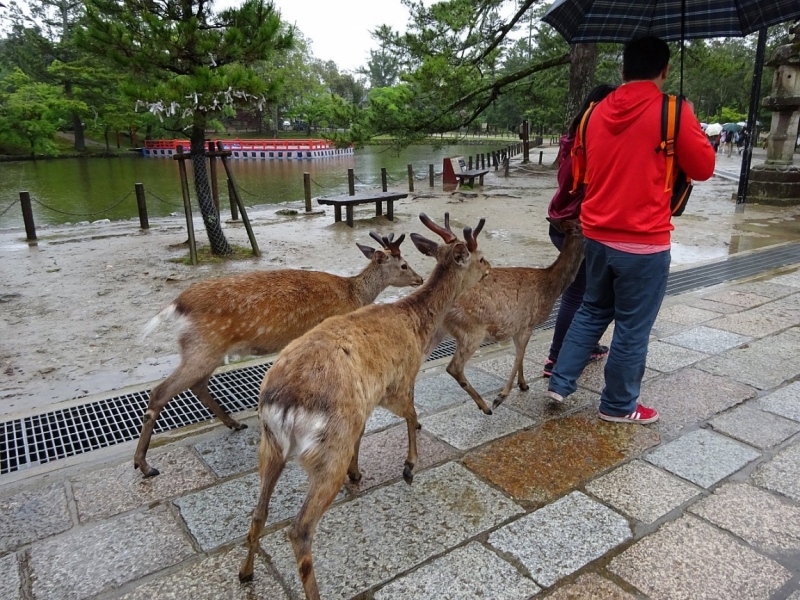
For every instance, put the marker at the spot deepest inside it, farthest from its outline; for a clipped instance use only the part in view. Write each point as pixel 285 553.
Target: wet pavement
pixel 536 500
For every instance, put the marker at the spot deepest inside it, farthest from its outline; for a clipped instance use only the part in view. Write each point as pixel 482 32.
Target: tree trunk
pixel 108 147
pixel 77 122
pixel 202 188
pixel 583 61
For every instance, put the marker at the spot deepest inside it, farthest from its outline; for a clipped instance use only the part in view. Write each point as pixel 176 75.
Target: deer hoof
pixel 245 577
pixel 419 425
pixel 486 410
pixel 524 386
pixel 151 473
pixel 408 473
pixel 498 401
pixel 354 477
pixel 238 426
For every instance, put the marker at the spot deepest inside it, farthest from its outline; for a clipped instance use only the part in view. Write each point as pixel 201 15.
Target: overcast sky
pixel 339 29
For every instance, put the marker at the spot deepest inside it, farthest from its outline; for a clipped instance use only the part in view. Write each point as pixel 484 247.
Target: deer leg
pixel 465 348
pixel 270 467
pixel 203 394
pixel 325 480
pixel 520 344
pixel 181 379
pixel 352 471
pixel 412 458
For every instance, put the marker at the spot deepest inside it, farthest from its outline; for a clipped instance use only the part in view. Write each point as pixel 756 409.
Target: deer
pixel 315 400
pixel 259 313
pixel 508 304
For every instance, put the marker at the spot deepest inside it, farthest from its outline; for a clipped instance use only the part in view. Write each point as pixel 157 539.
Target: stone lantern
pixel 777 181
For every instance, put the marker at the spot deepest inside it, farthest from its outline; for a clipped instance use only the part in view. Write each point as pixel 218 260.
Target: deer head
pixel 396 270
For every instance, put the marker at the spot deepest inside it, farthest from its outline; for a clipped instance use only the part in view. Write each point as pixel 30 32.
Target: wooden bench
pixel 470 176
pixel 362 198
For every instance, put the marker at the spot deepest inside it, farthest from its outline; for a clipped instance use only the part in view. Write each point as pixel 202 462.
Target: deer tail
pixel 166 313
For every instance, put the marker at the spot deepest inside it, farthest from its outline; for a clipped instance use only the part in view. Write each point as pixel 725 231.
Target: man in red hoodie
pixel 627 223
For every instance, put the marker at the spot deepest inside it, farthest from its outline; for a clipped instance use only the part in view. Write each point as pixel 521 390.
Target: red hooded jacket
pixel 624 197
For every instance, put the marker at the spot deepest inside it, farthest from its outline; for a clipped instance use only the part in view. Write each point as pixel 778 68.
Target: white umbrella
pixel 713 129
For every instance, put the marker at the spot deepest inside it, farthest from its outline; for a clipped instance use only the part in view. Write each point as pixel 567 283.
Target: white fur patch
pixel 166 314
pixel 297 431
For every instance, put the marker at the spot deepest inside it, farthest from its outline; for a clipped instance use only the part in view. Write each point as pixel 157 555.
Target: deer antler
pixel 470 236
pixel 377 238
pixel 394 246
pixel 444 232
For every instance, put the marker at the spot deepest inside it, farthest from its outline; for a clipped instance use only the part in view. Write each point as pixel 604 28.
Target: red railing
pixel 237 144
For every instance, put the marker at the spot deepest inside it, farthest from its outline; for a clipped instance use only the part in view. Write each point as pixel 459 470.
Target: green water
pixel 73 190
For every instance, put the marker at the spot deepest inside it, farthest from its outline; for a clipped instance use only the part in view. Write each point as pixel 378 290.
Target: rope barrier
pixel 249 193
pixel 91 214
pixel 322 186
pixel 7 208
pixel 162 200
pixel 364 182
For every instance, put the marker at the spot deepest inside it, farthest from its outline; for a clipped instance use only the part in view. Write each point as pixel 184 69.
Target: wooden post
pixel 506 164
pixel 212 169
pixel 223 155
pixel 232 199
pixel 470 162
pixel 187 205
pixel 27 216
pixel 141 205
pixel 351 182
pixel 307 191
pixel 385 188
pixel 541 154
pixel 430 174
pixel 483 160
pixel 410 178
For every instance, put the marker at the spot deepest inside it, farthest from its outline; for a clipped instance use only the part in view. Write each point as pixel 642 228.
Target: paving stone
pixel 765 288
pixel 562 537
pixel 784 402
pixel 667 357
pixel 755 427
pixel 223 513
pixel 702 457
pixel 96 559
pixel 541 464
pixel 113 490
pixel 690 559
pixel 487 576
pixel 686 315
pixel 795 596
pixel 466 426
pixel 690 396
pixel 662 329
pixel 790 279
pixel 533 403
pixel 764 364
pixel 738 298
pixel 9 578
pixel 590 586
pixel 233 452
pixel 214 578
pixel 707 339
pixel 641 491
pixel 381 419
pixel 439 391
pixel 718 307
pixel 782 473
pixel 33 514
pixel 374 538
pixel 382 456
pixel 759 518
pixel 764 320
pixel 593 377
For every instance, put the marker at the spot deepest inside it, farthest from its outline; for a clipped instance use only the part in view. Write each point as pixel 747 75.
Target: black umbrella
pixel 623 20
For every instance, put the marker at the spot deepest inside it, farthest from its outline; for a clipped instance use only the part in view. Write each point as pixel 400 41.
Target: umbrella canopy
pixel 623 20
pixel 732 127
pixel 714 129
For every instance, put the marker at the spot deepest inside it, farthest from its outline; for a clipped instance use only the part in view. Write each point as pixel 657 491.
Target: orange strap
pixel 669 131
pixel 578 152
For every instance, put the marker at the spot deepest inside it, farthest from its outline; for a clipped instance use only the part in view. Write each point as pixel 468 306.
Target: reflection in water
pixel 88 187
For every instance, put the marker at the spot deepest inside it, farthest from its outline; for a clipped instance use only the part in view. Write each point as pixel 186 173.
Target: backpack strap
pixel 670 123
pixel 578 152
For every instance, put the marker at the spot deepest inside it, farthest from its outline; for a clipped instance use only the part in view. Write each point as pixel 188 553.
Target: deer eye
pixel 404 266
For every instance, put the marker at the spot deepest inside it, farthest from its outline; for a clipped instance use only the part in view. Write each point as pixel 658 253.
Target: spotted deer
pixel 508 304
pixel 260 313
pixel 317 397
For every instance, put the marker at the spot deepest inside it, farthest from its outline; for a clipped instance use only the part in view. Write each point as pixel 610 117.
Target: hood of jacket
pixel 625 105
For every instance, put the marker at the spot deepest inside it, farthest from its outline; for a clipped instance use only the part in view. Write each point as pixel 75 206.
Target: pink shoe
pixel 641 415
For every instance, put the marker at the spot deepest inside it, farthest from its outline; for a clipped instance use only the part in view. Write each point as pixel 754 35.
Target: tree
pixel 383 66
pixel 189 63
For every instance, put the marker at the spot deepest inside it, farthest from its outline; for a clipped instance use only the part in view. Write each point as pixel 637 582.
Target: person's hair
pixel 597 94
pixel 644 58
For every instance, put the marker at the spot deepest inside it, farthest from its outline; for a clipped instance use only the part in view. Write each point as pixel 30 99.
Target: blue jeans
pixel 628 289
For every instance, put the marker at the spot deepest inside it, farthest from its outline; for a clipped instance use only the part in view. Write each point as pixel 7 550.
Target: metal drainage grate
pixel 70 431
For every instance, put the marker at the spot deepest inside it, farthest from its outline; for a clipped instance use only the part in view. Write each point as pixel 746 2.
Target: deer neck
pixel 565 267
pixel 430 303
pixel 368 284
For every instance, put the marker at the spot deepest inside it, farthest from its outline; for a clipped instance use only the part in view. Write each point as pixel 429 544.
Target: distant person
pixel 626 221
pixel 741 139
pixel 729 136
pixel 566 206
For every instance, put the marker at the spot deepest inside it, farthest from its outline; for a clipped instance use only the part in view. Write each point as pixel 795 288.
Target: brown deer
pixel 508 304
pixel 317 397
pixel 259 313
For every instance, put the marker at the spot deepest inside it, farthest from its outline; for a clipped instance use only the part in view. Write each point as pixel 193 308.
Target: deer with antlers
pixel 317 397
pixel 260 313
pixel 508 305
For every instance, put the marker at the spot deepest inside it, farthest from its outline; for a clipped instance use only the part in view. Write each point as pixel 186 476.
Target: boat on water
pixel 283 149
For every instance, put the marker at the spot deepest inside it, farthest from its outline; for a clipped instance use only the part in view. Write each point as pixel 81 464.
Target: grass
pixel 204 256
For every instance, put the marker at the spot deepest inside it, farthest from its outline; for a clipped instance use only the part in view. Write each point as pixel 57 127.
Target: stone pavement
pixel 533 501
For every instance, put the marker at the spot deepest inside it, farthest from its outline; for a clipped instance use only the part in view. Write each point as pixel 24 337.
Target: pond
pixel 89 189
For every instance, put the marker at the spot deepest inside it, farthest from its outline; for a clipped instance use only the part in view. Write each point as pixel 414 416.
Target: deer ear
pixel 461 254
pixel 368 252
pixel 424 245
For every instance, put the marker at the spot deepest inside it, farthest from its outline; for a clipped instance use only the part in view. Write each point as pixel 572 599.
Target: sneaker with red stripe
pixel 641 415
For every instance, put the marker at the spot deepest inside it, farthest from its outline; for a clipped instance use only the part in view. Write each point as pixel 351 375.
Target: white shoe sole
pixel 610 419
pixel 555 397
